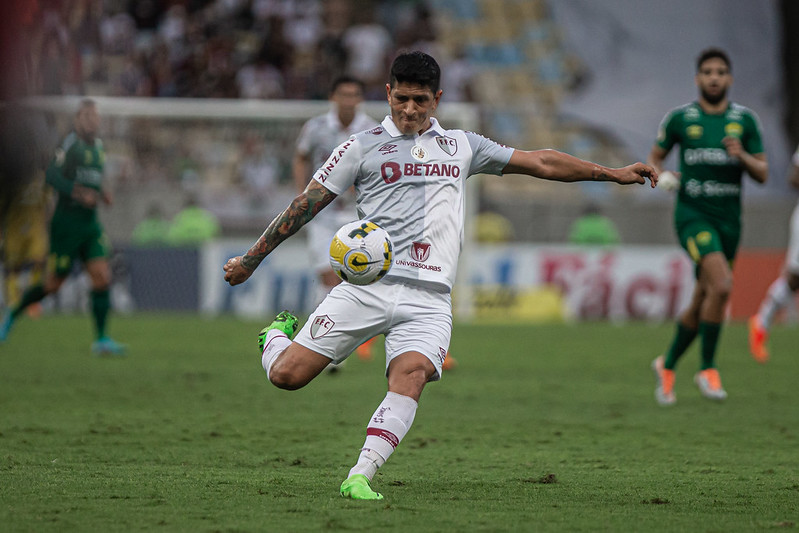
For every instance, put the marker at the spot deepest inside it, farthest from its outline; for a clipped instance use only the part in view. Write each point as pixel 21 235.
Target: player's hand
pixel 733 146
pixel 85 196
pixel 235 272
pixel 108 199
pixel 637 173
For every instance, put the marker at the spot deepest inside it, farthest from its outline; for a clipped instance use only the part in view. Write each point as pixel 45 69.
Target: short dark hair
pixel 711 53
pixel 344 78
pixel 416 67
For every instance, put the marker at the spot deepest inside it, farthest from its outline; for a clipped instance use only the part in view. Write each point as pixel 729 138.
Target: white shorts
pixel 412 318
pixel 792 257
pixel 320 233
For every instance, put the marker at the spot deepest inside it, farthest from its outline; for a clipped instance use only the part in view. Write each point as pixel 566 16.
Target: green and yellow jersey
pixel 75 230
pixel 710 185
pixel 76 162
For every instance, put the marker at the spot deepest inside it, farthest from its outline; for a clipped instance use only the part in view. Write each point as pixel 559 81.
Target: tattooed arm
pixel 304 207
pixel 558 166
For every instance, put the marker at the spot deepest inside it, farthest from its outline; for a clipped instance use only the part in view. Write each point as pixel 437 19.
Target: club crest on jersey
pixel 419 153
pixel 321 326
pixel 420 251
pixel 448 144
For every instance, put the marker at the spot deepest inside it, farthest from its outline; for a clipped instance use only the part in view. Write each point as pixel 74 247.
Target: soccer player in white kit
pixel 783 290
pixel 319 136
pixel 409 175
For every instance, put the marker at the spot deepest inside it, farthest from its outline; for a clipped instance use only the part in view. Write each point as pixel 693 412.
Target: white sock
pixel 388 425
pixel 276 342
pixel 778 297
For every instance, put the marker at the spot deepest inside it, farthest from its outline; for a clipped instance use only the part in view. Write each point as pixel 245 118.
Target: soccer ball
pixel 361 252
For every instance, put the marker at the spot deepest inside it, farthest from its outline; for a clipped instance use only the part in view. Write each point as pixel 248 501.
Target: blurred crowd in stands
pixel 274 49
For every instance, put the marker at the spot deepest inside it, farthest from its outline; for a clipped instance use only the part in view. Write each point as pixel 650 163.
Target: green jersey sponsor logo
pixel 711 189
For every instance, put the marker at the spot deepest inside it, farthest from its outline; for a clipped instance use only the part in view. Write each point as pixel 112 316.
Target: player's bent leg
pixel 296 366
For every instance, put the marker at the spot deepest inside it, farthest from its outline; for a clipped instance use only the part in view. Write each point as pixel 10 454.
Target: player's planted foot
pixel 709 383
pixel 664 392
pixel 5 326
pixel 357 487
pixel 758 337
pixel 285 322
pixel 108 346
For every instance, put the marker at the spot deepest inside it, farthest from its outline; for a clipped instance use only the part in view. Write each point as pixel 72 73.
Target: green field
pixel 540 428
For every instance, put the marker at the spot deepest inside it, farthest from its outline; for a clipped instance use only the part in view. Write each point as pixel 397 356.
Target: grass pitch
pixel 540 428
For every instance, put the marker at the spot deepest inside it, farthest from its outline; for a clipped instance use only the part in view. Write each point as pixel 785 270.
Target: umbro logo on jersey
pixel 321 326
pixel 388 148
pixel 376 131
pixel 448 144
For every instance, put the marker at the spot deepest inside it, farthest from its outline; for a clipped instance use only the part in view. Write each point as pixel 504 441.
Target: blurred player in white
pixel 782 291
pixel 319 136
pixel 409 175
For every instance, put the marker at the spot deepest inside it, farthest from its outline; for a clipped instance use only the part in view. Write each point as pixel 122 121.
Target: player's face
pixel 412 105
pixel 87 123
pixel 713 80
pixel 347 97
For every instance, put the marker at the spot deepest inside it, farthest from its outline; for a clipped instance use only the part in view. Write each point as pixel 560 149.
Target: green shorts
pixel 700 237
pixel 70 240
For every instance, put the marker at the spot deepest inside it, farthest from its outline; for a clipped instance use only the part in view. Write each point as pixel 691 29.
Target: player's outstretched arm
pixel 304 207
pixel 558 166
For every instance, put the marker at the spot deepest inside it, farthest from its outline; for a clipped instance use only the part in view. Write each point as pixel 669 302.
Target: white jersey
pixel 413 186
pixel 319 136
pixel 792 257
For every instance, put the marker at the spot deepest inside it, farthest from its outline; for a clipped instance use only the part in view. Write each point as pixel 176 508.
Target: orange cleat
pixel 449 362
pixel 364 351
pixel 758 337
pixel 709 383
pixel 34 311
pixel 664 392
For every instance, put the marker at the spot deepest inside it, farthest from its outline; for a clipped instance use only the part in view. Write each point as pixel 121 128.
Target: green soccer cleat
pixel 108 346
pixel 357 487
pixel 285 322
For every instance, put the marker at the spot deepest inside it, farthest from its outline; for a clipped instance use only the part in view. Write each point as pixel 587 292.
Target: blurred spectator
pixel 153 230
pixel 369 49
pixel 193 226
pixel 593 228
pixel 493 228
pixel 260 79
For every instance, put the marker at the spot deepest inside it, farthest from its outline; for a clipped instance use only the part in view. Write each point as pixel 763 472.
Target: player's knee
pixel 793 282
pixel 284 377
pixel 721 288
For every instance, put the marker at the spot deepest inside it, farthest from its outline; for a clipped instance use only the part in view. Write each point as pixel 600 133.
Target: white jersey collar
pixel 392 129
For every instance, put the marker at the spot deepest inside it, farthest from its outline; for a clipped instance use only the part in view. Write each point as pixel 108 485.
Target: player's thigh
pixel 348 316
pixel 422 322
pixel 298 365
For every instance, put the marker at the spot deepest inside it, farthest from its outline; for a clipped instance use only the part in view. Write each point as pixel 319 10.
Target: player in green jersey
pixel 76 173
pixel 719 141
